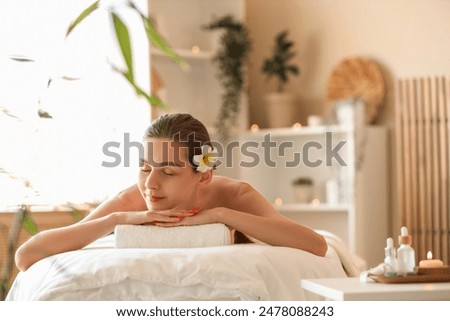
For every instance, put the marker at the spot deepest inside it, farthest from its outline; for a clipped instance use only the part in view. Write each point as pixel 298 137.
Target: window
pixel 89 103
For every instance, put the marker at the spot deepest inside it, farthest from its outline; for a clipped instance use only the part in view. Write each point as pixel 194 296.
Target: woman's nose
pixel 152 182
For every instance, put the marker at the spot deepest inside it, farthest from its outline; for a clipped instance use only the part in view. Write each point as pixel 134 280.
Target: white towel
pixel 149 236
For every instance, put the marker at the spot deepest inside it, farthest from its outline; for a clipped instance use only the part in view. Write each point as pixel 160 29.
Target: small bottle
pixel 390 258
pixel 406 259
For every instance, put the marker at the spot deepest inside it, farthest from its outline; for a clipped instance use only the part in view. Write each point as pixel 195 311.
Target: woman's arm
pixel 63 239
pixel 97 224
pixel 249 212
pixel 278 231
pixel 128 200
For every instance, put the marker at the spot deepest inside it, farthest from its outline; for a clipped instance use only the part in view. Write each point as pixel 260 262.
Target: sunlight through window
pixel 70 80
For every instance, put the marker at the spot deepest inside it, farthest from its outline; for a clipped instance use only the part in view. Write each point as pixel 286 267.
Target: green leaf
pixel 158 41
pixel 69 78
pixel 20 58
pixel 28 224
pixel 44 114
pixel 123 37
pixel 86 12
pixel 76 214
pixel 293 69
pixel 8 113
pixel 152 100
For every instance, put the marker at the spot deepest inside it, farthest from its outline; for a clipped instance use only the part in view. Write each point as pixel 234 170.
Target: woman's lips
pixel 154 199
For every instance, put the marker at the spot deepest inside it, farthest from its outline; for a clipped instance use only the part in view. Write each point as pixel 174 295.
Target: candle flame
pixel 195 50
pixel 254 128
pixel 429 255
pixel 278 201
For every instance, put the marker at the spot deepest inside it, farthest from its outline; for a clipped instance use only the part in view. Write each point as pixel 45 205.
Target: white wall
pixel 405 37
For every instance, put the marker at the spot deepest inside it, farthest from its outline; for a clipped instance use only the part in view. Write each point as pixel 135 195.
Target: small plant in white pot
pixel 280 105
pixel 303 189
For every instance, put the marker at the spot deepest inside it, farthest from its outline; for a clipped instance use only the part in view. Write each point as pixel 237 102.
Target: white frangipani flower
pixel 206 160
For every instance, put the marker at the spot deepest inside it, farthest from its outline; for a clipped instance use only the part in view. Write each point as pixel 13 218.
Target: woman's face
pixel 166 179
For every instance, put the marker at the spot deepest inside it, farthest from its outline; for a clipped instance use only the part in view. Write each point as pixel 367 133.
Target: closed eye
pixel 144 166
pixel 168 170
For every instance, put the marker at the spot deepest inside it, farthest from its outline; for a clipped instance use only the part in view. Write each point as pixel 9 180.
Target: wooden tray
pixel 411 279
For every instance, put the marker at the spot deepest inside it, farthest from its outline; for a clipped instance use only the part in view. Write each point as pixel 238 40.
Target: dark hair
pixel 182 128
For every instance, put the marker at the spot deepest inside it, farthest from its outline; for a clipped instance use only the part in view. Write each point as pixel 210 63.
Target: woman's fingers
pixel 152 217
pixel 202 218
pixel 159 216
pixel 176 213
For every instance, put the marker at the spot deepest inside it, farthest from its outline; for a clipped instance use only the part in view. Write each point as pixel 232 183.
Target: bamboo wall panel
pixel 423 162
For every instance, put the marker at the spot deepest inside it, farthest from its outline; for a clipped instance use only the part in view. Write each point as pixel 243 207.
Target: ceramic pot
pixel 303 193
pixel 281 109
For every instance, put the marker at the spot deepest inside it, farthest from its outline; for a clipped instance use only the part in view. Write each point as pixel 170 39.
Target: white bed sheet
pixel 233 272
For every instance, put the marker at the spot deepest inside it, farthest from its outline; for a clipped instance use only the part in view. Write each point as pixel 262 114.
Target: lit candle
pixel 254 128
pixel 430 263
pixel 278 201
pixel 195 50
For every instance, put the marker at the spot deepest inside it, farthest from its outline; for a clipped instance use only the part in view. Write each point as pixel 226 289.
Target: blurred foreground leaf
pixel 86 12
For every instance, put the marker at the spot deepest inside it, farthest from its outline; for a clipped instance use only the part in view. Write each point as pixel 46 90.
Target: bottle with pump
pixel 406 259
pixel 390 258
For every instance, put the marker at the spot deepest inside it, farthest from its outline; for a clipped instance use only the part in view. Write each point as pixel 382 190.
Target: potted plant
pixel 303 189
pixel 280 105
pixel 234 47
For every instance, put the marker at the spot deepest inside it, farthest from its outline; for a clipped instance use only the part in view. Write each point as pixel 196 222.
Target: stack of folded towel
pixel 149 236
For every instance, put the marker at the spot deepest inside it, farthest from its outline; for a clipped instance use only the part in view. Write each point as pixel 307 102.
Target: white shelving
pixel 310 208
pixel 289 158
pixel 360 217
pixel 299 131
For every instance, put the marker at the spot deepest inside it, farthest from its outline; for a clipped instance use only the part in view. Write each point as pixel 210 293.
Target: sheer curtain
pixel 89 103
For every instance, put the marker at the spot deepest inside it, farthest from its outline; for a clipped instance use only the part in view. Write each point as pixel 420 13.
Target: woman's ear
pixel 206 177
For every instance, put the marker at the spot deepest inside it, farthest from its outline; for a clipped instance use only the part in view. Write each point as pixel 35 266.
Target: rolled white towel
pixel 149 236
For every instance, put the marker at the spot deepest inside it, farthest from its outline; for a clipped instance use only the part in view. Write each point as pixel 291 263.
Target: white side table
pixel 352 289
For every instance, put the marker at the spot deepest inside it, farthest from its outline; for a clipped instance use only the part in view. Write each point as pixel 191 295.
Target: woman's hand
pixel 197 218
pixel 154 217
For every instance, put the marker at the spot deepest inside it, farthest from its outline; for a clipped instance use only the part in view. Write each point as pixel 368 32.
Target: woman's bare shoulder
pixel 229 189
pixel 240 195
pixel 227 183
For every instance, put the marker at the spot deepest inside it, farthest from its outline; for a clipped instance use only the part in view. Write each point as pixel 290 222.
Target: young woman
pixel 175 187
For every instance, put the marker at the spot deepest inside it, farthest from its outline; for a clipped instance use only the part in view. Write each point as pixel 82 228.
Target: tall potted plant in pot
pixel 280 105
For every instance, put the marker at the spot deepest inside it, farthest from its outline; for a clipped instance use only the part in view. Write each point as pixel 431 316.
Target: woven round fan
pixel 358 77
